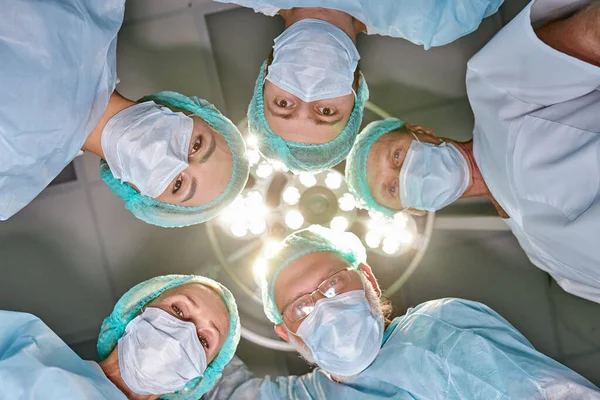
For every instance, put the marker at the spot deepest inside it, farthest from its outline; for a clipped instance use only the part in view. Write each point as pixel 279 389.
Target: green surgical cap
pixel 173 215
pixel 356 164
pixel 310 240
pixel 296 156
pixel 141 294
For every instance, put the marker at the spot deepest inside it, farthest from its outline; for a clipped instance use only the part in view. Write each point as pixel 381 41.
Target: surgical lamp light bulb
pixel 400 220
pixel 339 224
pixel 372 239
pixel 254 199
pixel 291 195
pixel 333 180
pixel 307 179
pixel 294 219
pixel 253 157
pixel 347 202
pixel 264 170
pixel 239 229
pixel 390 245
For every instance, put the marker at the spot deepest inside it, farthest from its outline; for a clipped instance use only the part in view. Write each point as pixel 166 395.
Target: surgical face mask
pixel 147 145
pixel 342 334
pixel 432 176
pixel 159 353
pixel 314 60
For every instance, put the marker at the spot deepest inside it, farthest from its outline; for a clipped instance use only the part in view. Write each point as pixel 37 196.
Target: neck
pixel 477 186
pixel 111 369
pixel 116 104
pixel 345 22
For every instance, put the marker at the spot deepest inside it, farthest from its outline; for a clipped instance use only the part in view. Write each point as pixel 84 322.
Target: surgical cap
pixel 132 302
pixel 173 215
pixel 297 156
pixel 310 240
pixel 356 164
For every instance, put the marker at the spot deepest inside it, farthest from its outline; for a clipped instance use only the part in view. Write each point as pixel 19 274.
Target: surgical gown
pixel 37 364
pixel 427 23
pixel 444 349
pixel 57 72
pixel 537 144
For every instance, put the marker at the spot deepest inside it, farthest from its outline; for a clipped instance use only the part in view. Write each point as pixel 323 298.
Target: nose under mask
pixel 314 60
pixel 147 145
pixel 432 177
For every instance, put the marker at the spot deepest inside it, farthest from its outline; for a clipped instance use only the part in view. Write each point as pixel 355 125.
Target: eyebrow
pixel 216 327
pixel 211 149
pixel 191 300
pixel 192 191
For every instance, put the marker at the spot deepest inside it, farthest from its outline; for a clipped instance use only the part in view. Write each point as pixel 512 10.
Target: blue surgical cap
pixel 297 156
pixel 173 215
pixel 356 164
pixel 300 243
pixel 132 302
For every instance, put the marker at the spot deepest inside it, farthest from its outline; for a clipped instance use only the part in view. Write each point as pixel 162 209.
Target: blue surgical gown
pixel 57 72
pixel 444 349
pixel 537 144
pixel 427 23
pixel 37 364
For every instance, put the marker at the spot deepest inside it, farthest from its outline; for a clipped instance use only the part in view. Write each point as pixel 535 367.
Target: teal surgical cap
pixel 141 294
pixel 173 215
pixel 296 156
pixel 356 164
pixel 310 240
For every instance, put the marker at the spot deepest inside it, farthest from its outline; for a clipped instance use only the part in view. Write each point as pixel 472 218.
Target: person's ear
pixel 364 268
pixel 281 332
pixel 420 130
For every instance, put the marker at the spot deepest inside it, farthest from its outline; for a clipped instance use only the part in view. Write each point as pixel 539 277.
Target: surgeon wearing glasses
pixel 324 299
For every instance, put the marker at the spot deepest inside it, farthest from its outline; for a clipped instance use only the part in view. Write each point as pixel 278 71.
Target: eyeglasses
pixel 337 283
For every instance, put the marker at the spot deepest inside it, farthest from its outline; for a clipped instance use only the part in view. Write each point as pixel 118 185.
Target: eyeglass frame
pixel 283 312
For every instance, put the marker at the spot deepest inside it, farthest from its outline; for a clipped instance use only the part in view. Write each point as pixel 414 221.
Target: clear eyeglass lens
pixel 335 284
pixel 300 308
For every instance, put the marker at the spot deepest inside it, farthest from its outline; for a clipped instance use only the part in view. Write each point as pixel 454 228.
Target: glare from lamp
pixel 259 269
pixel 307 179
pixel 253 157
pixel 258 226
pixel 252 142
pixel 390 245
pixel 333 180
pixel 406 237
pixel 291 195
pixel 294 219
pixel 271 248
pixel 339 224
pixel 254 199
pixel 239 228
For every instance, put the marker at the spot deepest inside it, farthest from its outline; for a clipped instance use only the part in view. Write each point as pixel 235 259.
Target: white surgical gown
pixel 424 22
pixel 57 72
pixel 35 364
pixel 537 144
pixel 444 349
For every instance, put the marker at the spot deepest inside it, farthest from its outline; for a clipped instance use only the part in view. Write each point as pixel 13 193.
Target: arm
pixel 578 36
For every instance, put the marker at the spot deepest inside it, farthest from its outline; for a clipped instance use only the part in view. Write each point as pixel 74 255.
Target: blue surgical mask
pixel 432 176
pixel 314 60
pixel 342 334
pixel 159 353
pixel 147 145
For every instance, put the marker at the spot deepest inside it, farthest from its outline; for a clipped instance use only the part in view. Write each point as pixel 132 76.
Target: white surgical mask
pixel 147 145
pixel 314 60
pixel 342 334
pixel 159 353
pixel 432 176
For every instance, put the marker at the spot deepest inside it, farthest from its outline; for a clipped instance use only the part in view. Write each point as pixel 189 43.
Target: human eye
pixel 197 145
pixel 326 111
pixel 177 311
pixel 178 183
pixel 204 341
pixel 283 103
pixel 392 189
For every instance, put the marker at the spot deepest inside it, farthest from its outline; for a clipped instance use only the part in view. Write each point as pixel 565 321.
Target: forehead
pixel 304 275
